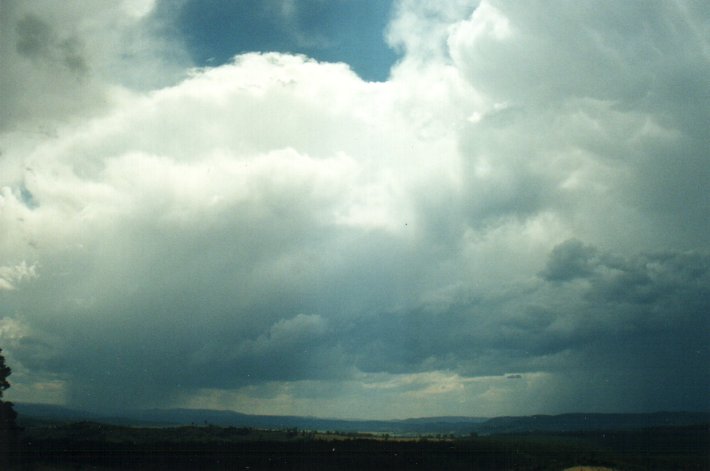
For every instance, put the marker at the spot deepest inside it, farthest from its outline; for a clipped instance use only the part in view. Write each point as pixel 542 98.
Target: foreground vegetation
pixel 87 445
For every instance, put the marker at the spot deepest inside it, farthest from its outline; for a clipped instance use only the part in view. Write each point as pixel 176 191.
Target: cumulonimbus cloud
pixel 526 197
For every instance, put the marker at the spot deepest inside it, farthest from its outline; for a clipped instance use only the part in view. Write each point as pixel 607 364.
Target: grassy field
pixel 87 445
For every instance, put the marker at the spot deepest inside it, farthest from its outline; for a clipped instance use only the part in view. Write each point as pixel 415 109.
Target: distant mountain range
pixel 419 426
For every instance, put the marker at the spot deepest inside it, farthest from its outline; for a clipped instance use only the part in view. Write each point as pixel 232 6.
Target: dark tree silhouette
pixel 8 416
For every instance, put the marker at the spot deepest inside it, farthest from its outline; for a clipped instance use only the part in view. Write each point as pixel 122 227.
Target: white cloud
pixel 10 276
pixel 138 8
pixel 422 28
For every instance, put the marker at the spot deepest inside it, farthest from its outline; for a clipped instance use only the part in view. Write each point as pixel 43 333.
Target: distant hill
pixel 416 426
pixel 226 418
pixel 29 413
pixel 591 422
pixel 52 412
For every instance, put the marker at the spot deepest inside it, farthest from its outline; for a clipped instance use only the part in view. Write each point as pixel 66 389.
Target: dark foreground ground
pixel 86 446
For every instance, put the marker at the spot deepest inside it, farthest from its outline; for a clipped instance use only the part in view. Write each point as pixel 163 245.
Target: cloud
pixel 421 29
pixel 10 276
pixel 582 90
pixel 569 260
pixel 70 61
pixel 525 194
pixel 35 40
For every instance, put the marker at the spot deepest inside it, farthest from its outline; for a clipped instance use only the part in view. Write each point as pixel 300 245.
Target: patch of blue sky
pixel 350 31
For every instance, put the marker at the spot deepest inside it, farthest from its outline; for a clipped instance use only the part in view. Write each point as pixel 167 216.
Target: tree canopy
pixel 8 416
pixel 5 371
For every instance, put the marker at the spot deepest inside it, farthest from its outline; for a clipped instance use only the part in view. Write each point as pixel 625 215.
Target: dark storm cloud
pixel 644 315
pixel 568 261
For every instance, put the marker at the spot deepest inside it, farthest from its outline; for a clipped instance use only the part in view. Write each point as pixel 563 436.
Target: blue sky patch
pixel 350 31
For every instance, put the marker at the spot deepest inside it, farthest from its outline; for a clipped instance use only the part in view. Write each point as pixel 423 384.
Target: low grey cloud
pixel 65 62
pixel 569 260
pixel 33 37
pixel 35 40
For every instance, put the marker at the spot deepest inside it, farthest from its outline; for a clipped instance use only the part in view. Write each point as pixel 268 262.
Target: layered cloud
pixel 514 222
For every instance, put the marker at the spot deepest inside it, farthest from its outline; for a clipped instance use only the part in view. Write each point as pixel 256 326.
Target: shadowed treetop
pixel 5 371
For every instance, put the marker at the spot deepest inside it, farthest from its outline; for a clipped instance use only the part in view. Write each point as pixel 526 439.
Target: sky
pixel 356 209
